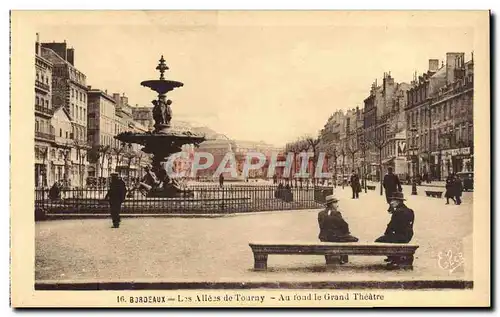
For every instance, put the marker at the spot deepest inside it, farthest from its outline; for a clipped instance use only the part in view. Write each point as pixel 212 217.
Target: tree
pixel 296 147
pixel 129 155
pixel 363 147
pixel 327 146
pixel 343 154
pixel 117 151
pixel 103 150
pixel 351 151
pixel 313 143
pixel 379 144
pixel 82 149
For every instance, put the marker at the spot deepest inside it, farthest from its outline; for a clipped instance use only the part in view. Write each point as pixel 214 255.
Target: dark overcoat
pixel 333 228
pixel 117 192
pixel 449 188
pixel 400 228
pixel 356 186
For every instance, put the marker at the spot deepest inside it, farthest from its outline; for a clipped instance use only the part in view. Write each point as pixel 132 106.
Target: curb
pixel 402 285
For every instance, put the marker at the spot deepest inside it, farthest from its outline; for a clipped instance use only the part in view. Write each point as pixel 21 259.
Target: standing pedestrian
pixel 355 185
pixel 457 189
pixel 116 196
pixel 221 180
pixel 55 191
pixel 391 185
pixel 450 184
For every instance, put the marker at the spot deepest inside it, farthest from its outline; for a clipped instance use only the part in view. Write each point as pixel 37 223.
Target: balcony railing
pixel 42 85
pixel 46 136
pixel 43 109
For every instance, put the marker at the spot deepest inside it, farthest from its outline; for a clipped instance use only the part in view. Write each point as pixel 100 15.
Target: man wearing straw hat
pixel 333 228
pixel 400 228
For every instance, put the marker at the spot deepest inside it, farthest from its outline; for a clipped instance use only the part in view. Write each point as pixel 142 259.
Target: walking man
pixel 450 188
pixel 333 228
pixel 391 185
pixel 116 196
pixel 355 185
pixel 399 229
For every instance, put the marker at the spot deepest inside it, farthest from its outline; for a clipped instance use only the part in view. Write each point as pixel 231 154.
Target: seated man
pixel 400 228
pixel 333 228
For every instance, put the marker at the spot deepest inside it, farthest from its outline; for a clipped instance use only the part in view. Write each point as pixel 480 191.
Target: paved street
pixel 216 249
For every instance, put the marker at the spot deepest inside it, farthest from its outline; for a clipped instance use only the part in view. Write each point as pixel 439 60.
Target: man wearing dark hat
pixel 333 228
pixel 391 184
pixel 400 228
pixel 116 196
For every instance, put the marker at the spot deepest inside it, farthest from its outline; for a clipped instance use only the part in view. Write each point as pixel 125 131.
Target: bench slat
pixel 333 248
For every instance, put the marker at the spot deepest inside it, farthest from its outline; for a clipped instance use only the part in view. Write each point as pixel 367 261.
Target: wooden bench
pixel 370 187
pixel 434 193
pixel 332 251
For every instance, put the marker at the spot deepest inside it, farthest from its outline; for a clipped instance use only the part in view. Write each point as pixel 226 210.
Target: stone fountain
pixel 163 141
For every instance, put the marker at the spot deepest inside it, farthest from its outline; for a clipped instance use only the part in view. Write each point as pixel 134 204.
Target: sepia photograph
pixel 250 158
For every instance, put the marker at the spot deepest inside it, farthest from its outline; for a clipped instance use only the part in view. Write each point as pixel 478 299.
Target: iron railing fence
pixel 205 199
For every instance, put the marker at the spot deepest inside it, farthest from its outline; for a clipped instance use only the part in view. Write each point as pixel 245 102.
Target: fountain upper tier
pixel 163 140
pixel 162 86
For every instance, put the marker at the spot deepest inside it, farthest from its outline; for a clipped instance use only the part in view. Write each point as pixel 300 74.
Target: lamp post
pixel 414 153
pixel 43 172
pixel 342 153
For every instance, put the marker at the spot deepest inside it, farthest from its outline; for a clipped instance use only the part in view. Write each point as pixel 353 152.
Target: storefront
pixel 445 162
pixel 40 175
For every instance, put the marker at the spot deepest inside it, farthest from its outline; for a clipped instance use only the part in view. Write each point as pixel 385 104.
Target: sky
pixel 255 76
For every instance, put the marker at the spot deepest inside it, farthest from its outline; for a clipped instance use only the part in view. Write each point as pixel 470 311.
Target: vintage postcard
pixel 250 158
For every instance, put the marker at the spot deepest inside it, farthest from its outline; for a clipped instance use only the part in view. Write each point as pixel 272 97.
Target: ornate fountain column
pixel 163 141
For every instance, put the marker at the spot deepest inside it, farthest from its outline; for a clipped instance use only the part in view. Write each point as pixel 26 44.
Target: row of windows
pixel 43 126
pixel 107 140
pixel 42 78
pixel 78 95
pixel 40 101
pixel 78 112
pixel 445 111
pixel 461 135
pixel 419 95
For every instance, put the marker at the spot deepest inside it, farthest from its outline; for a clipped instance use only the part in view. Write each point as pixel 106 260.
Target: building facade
pixel 439 115
pixel 44 131
pixel 69 91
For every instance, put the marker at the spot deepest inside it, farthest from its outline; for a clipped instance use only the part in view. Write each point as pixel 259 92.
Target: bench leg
pixel 406 262
pixel 260 261
pixel 336 259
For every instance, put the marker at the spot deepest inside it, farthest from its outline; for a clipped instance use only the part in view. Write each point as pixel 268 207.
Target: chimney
pixel 451 66
pixel 433 65
pixel 37 44
pixel 70 56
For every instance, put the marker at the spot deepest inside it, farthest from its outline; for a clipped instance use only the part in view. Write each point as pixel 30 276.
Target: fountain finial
pixel 162 67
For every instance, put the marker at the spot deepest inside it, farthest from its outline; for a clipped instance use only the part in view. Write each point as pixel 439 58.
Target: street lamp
pixel 414 153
